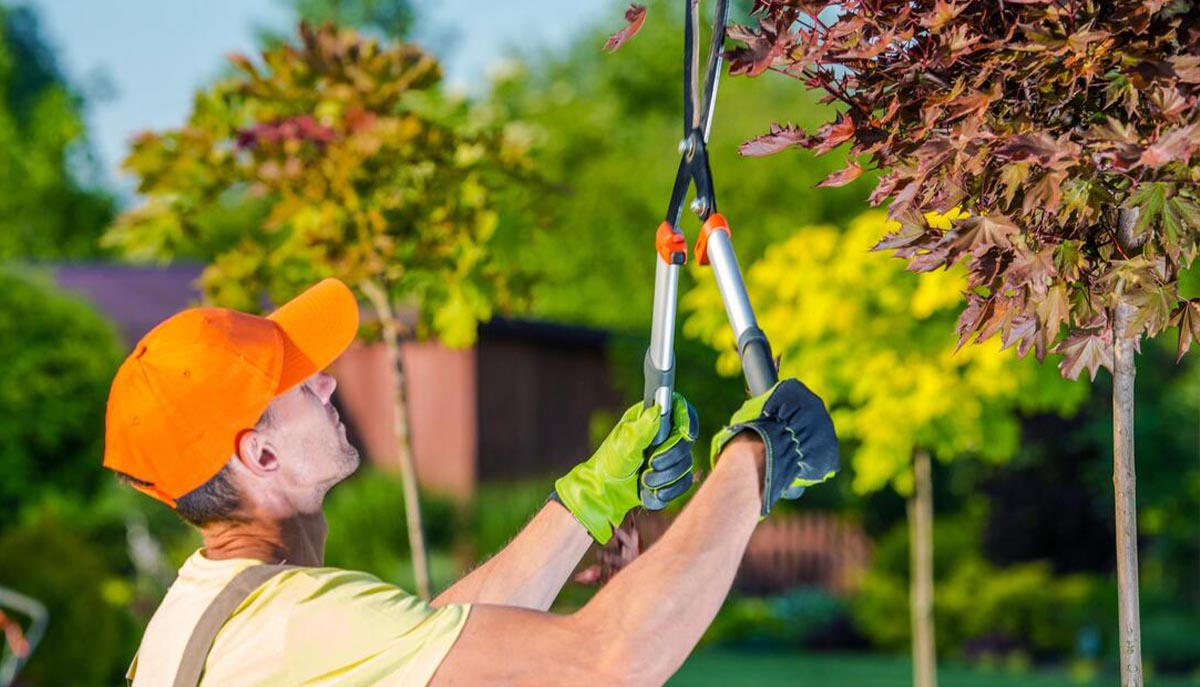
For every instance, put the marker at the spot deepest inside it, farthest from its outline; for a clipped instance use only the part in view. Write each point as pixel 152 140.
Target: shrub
pixel 59 358
pixel 90 636
pixel 500 510
pixel 1171 640
pixel 799 618
pixel 746 622
pixel 367 529
pixel 981 610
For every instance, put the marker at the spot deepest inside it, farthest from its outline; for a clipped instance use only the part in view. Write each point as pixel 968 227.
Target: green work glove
pixel 797 433
pixel 601 490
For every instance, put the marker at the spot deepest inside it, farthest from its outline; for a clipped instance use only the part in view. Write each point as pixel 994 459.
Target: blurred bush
pixel 500 510
pixel 1171 640
pixel 982 611
pixel 367 529
pixel 59 357
pixel 91 635
pixel 798 619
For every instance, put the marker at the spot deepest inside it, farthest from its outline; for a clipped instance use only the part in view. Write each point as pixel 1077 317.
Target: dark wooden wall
pixel 538 388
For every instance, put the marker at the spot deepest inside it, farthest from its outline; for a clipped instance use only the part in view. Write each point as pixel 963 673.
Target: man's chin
pixel 350 462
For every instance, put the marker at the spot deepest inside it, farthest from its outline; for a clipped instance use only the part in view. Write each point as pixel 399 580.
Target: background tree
pixel 1068 131
pixel 877 346
pixel 51 206
pixel 393 19
pixel 336 156
pixel 603 129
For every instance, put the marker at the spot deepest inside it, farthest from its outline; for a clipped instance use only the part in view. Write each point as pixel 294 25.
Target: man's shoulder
pixel 312 593
pixel 325 576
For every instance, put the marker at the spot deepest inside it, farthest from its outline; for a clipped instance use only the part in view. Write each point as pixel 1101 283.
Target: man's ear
pixel 256 453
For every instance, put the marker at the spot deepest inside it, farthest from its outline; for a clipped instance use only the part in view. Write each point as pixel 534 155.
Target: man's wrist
pixel 747 445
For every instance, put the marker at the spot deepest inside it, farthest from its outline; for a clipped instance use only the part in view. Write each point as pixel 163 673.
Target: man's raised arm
pixel 591 501
pixel 639 629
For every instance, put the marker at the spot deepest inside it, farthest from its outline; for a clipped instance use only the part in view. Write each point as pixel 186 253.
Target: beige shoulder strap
pixel 205 633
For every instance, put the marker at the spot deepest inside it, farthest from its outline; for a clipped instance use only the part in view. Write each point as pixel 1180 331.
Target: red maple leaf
pixel 843 176
pixel 777 139
pixel 1187 318
pixel 1092 349
pixel 634 16
pixel 1175 145
pixel 833 134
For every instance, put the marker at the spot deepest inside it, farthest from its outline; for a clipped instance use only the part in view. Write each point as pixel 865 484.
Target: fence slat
pixel 817 550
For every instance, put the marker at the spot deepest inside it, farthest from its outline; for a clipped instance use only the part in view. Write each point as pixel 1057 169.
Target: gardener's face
pixel 308 437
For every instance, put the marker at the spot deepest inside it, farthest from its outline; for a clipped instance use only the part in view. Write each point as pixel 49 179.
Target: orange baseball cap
pixel 194 382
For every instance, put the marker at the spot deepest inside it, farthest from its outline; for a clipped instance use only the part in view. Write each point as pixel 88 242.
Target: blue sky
pixel 143 59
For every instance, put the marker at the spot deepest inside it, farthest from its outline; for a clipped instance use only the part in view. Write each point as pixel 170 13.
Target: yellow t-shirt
pixel 309 627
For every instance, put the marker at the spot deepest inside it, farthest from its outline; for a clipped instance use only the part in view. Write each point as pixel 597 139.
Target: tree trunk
pixel 408 474
pixel 1125 484
pixel 1125 490
pixel 920 523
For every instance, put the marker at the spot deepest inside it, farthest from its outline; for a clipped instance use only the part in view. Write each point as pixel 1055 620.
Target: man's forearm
pixel 531 570
pixel 661 604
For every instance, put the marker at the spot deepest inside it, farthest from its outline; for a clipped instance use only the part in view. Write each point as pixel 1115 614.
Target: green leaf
pixel 1151 201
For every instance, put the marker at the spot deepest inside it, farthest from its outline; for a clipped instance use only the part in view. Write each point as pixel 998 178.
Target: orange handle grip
pixel 671 245
pixel 715 222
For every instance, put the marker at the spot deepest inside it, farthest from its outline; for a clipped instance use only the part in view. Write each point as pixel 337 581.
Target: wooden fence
pixel 793 550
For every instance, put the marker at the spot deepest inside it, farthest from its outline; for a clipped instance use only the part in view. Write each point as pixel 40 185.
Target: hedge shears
pixel 714 246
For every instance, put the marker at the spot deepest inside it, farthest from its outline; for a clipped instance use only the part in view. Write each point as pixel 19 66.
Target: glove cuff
pixel 588 511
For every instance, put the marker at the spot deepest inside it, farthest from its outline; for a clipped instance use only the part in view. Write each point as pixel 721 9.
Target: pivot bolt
pixel 700 206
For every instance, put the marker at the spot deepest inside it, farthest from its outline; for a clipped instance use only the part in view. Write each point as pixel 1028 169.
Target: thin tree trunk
pixel 408 474
pixel 920 523
pixel 1125 484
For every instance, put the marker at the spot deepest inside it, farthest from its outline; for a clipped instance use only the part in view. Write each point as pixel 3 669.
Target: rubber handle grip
pixel 757 363
pixel 655 380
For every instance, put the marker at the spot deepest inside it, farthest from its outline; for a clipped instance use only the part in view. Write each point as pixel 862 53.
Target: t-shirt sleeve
pixel 350 628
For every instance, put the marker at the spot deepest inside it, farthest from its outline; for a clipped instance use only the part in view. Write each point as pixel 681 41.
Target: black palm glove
pixel 667 473
pixel 797 432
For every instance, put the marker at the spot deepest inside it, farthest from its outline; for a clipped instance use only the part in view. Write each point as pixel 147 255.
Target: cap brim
pixel 317 326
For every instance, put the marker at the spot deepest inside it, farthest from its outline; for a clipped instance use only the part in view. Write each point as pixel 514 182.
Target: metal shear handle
pixel 714 247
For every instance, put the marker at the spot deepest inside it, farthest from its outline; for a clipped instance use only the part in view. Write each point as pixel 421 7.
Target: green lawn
pixel 764 669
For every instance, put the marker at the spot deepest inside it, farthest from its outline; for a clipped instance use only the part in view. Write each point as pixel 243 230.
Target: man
pixel 226 417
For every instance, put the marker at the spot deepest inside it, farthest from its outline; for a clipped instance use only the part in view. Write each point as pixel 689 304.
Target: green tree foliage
pixel 389 18
pixel 336 156
pixel 59 357
pixel 1045 122
pixel 49 208
pixel 877 345
pixel 604 128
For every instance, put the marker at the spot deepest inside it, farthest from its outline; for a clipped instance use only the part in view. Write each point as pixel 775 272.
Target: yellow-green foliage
pixel 335 156
pixel 878 345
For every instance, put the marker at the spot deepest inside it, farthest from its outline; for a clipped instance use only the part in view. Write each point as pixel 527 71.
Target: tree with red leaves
pixel 1068 130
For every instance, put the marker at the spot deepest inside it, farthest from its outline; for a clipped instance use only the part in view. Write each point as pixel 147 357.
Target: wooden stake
pixel 920 523
pixel 408 474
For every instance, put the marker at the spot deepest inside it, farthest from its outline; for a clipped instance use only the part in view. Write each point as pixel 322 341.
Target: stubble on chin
pixel 350 460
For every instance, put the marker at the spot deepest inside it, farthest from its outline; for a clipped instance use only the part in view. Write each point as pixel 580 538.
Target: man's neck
pixel 297 540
